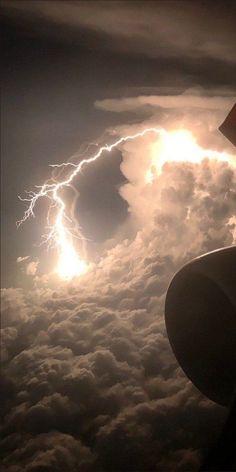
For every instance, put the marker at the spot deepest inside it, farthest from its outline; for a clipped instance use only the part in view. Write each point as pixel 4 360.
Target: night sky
pixel 89 379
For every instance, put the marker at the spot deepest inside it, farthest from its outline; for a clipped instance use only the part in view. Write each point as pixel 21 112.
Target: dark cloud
pixel 53 451
pixel 89 379
pixel 157 29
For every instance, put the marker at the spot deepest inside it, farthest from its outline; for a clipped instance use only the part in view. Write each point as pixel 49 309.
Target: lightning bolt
pixel 176 146
pixel 60 233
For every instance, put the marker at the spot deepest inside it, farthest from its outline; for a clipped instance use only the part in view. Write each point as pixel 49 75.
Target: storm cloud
pixel 90 381
pixel 155 29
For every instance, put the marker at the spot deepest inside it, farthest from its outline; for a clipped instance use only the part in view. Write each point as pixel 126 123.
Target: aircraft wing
pixel 228 127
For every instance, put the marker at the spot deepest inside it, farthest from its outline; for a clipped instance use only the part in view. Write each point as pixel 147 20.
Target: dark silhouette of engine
pixel 200 314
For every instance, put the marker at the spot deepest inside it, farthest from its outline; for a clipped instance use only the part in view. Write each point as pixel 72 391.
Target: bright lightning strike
pixel 173 146
pixel 70 264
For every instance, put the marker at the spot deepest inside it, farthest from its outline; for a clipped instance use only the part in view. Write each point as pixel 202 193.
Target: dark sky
pixel 89 379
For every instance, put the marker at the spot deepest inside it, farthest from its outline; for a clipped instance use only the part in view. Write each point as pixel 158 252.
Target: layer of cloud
pixel 31 268
pixel 190 99
pixel 90 381
pixel 22 259
pixel 155 29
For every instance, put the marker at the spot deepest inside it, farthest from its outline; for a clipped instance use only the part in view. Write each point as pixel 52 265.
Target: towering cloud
pixel 90 382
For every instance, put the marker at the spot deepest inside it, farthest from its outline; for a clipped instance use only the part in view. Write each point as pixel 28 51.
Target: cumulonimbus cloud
pixel 89 379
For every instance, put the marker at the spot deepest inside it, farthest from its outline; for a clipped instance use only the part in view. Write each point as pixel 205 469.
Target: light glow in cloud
pixel 179 146
pixel 175 146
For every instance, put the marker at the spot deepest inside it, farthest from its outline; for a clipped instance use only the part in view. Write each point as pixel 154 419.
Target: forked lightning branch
pixel 174 146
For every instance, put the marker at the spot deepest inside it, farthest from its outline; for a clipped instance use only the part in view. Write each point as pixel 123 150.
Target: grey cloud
pixel 191 98
pixel 88 370
pixel 163 29
pixel 46 452
pixel 89 363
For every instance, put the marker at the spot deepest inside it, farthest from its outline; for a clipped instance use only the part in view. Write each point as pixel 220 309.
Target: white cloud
pixel 22 259
pixel 190 99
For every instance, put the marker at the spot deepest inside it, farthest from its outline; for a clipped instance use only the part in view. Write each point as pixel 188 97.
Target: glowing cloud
pixel 177 146
pixel 70 263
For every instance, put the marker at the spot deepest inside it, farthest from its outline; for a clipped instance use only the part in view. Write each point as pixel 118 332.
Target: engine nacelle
pixel 200 316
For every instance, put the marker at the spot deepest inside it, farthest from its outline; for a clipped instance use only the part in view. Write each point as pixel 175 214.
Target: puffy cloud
pixel 195 109
pixel 31 268
pixel 52 451
pixel 90 381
